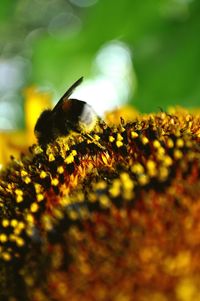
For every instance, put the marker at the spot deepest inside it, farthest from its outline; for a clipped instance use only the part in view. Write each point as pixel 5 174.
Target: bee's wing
pixel 67 95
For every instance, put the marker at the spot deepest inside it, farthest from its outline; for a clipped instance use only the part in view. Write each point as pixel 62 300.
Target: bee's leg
pixel 92 139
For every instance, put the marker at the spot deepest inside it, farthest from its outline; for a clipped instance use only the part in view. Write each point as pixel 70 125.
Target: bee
pixel 68 115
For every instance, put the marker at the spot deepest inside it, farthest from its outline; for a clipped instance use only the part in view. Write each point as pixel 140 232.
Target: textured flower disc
pixel 113 215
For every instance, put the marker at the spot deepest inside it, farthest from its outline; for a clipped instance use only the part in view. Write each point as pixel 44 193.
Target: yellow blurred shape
pixel 16 142
pixel 188 290
pixel 128 113
pixel 35 103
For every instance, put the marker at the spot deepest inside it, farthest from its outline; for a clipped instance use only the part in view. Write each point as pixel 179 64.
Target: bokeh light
pixel 113 79
pixel 127 51
pixel 84 3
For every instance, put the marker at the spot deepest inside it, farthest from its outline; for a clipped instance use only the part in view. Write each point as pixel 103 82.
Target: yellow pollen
pixel 3 238
pixel 38 187
pixel 163 115
pixel 66 146
pixel 47 223
pixel 34 207
pixel 43 174
pixel 40 197
pixel 145 140
pixel 27 180
pixel 156 144
pixel 187 289
pixel 12 237
pixel 127 182
pixel 119 143
pixel 74 152
pixel 60 169
pixel 84 213
pixel 19 199
pixel 6 256
pixel 17 231
pixel 24 173
pixel 111 139
pixel 21 225
pixel 167 161
pixel 189 143
pixel 38 150
pixel 163 173
pixel 143 179
pixel 151 166
pixel 18 192
pixel 115 188
pixel 51 158
pixel 69 159
pixel 170 143
pixel 178 154
pixel 96 137
pixel 134 135
pixel 180 143
pixel 172 121
pixel 30 218
pixel 5 223
pixel 188 117
pixel 101 185
pixel 54 182
pixel 13 223
pixel 104 201
pixel 19 242
pixel 58 213
pixel 119 137
pixel 137 168
pixel 73 215
pixel 161 151
pixel 29 231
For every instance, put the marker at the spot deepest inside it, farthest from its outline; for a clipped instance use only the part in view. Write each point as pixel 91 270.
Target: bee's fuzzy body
pixel 68 115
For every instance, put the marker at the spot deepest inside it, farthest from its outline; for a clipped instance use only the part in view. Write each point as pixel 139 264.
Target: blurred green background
pixel 146 53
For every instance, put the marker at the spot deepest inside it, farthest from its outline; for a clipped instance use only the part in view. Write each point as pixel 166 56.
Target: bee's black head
pixel 43 128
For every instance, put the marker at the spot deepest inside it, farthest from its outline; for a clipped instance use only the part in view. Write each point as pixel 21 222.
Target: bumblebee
pixel 68 115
